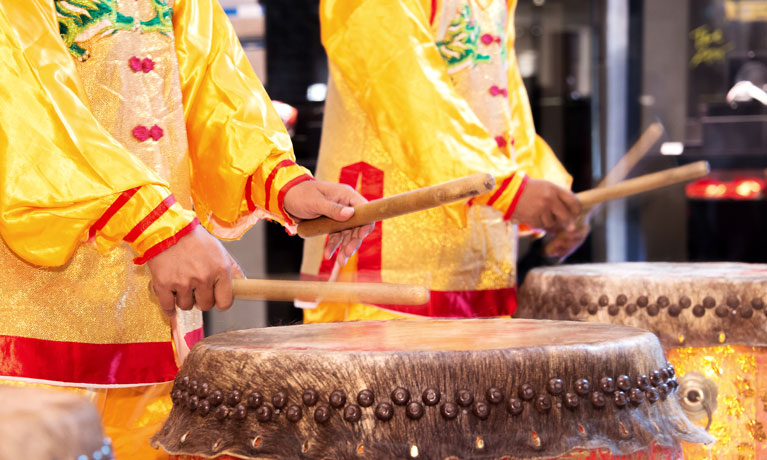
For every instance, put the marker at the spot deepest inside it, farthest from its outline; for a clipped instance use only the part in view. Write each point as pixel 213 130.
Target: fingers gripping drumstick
pixel 404 203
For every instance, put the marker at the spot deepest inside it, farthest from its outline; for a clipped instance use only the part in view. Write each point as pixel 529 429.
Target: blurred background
pixel 598 72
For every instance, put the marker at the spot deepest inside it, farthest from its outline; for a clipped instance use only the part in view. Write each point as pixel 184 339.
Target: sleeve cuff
pixel 148 218
pixel 505 197
pixel 267 191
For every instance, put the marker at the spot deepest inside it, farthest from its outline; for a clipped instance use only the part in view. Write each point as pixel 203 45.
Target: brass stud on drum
pixel 365 398
pixel 430 397
pixel 279 400
pixel 494 396
pixel 464 398
pixel 514 406
pixel 310 397
pixel 400 396
pixel 337 399
pixel 449 410
pixel 352 413
pixel 685 302
pixel 385 412
pixel 293 413
pixel 414 410
pixel 322 414
pixel 255 400
pixel 481 410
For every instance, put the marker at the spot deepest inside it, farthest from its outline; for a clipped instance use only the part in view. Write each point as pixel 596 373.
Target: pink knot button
pixel 489 38
pixel 137 64
pixel 501 141
pixel 496 91
pixel 142 133
pixel 156 132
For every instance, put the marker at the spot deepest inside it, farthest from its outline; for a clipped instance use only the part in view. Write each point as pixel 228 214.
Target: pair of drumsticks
pixel 612 187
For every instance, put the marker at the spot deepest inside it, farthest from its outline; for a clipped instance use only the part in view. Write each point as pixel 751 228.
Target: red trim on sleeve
pixel 284 190
pixel 433 11
pixel 166 243
pixel 156 213
pixel 270 179
pixel 514 202
pixel 500 190
pixel 249 194
pixel 111 211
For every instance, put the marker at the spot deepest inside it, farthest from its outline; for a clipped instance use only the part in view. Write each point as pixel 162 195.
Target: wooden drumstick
pixel 377 293
pixel 403 203
pixel 622 169
pixel 637 151
pixel 644 183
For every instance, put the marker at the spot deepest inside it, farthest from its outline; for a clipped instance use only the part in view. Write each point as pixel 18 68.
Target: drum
pixel 428 389
pixel 710 318
pixel 44 424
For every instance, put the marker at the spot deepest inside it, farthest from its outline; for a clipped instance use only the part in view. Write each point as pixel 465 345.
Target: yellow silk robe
pixel 123 123
pixel 422 92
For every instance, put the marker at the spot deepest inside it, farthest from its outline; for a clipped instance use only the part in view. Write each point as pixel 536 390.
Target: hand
pixel 547 206
pixel 566 242
pixel 315 198
pixel 196 270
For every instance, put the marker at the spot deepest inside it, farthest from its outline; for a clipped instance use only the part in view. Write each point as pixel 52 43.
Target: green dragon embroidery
pixel 80 20
pixel 459 48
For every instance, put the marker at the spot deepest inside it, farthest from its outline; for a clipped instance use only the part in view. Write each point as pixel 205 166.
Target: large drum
pixel 437 389
pixel 45 424
pixel 710 318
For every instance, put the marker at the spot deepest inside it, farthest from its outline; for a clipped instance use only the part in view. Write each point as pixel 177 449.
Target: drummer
pixel 431 91
pixel 102 122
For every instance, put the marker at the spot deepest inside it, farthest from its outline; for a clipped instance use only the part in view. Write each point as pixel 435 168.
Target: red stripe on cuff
pixel 249 194
pixel 514 202
pixel 166 243
pixel 284 190
pixel 111 211
pixel 270 179
pixel 156 213
pixel 500 190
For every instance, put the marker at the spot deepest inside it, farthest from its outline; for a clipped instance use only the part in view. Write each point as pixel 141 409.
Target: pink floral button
pixel 147 65
pixel 496 91
pixel 142 133
pixel 156 132
pixel 137 64
pixel 489 38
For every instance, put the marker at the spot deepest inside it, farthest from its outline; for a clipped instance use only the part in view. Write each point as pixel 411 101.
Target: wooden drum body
pixel 431 389
pixel 710 318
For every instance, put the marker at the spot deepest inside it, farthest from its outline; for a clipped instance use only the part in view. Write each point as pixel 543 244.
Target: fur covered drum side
pixel 710 318
pixel 436 389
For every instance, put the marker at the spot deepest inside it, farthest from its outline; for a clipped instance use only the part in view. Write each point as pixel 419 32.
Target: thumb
pixel 337 211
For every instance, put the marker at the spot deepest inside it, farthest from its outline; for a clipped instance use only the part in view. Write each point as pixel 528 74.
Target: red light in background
pixel 737 189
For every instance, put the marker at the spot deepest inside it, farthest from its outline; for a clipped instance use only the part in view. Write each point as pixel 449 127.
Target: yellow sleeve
pixel 241 155
pixel 534 155
pixel 384 51
pixel 63 178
